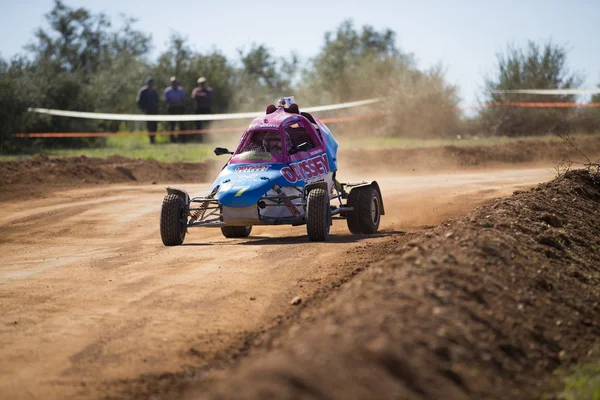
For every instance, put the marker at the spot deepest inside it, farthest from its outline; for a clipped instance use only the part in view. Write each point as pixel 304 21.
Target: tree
pixel 363 63
pixel 76 41
pixel 181 61
pixel 261 78
pixel 220 74
pixel 534 67
pixel 12 105
pixel 355 63
pixel 422 104
pixel 176 59
pixel 78 62
pixel 81 61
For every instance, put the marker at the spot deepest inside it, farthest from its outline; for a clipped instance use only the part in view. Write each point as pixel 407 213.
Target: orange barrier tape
pixel 184 132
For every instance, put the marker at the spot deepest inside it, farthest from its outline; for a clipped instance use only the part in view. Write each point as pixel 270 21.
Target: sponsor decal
pixel 262 125
pixel 306 169
pixel 255 155
pixel 289 175
pixel 317 151
pixel 252 168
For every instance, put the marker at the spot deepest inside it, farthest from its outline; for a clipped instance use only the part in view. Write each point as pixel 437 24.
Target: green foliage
pixel 77 41
pixel 13 106
pixel 534 67
pixel 582 383
pixel 85 62
pixel 79 63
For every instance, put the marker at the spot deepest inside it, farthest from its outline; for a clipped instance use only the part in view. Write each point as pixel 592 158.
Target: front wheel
pixel 233 232
pixel 318 215
pixel 173 220
pixel 366 216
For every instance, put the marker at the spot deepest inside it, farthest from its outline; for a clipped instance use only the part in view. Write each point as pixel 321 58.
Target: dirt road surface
pixel 90 299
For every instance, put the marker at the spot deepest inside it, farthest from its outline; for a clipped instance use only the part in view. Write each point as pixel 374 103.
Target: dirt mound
pixel 436 158
pixel 81 170
pixel 485 306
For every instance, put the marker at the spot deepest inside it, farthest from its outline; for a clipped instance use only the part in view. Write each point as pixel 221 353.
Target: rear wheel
pixel 173 220
pixel 366 216
pixel 232 232
pixel 318 215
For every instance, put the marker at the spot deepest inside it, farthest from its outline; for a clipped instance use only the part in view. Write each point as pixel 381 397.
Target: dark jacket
pixel 203 97
pixel 147 99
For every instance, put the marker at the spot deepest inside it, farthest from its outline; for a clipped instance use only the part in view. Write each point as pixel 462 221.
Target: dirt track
pixel 93 305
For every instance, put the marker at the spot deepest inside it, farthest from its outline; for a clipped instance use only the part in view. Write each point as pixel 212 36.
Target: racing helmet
pixel 272 142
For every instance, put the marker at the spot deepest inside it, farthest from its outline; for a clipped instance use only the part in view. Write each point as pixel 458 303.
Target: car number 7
pixel 242 190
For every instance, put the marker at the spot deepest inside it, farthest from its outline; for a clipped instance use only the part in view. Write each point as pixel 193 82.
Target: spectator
pixel 174 96
pixel 147 101
pixel 203 95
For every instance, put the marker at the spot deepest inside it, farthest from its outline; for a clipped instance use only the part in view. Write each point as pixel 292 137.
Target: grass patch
pixel 137 147
pixel 581 383
pixel 161 152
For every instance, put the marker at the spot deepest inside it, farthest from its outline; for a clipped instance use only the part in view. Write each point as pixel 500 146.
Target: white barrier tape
pixel 340 106
pixel 189 117
pixel 552 92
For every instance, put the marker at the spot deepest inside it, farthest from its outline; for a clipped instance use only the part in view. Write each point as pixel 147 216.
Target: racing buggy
pixel 283 172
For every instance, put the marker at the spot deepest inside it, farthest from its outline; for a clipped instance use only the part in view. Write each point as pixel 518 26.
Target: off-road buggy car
pixel 283 172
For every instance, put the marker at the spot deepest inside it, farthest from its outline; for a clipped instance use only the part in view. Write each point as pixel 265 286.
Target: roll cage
pixel 294 128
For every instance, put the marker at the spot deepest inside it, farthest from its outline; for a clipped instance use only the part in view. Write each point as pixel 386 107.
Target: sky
pixel 464 35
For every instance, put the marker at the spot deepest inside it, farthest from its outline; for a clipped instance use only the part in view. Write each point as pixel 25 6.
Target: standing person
pixel 147 101
pixel 203 95
pixel 174 96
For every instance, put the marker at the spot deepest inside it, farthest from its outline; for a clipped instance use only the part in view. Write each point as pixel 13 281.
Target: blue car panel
pixel 241 185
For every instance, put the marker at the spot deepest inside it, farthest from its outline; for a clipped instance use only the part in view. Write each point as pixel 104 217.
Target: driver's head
pixel 272 142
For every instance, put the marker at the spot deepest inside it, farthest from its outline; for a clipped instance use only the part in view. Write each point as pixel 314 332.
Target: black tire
pixel 366 216
pixel 318 215
pixel 232 232
pixel 173 220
